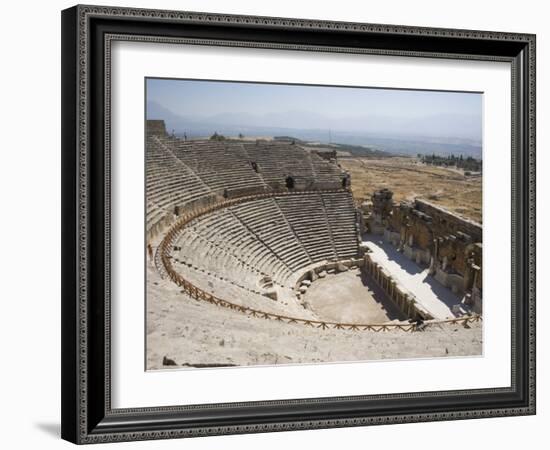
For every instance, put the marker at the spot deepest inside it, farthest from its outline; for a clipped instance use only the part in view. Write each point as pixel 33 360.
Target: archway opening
pixel 289 182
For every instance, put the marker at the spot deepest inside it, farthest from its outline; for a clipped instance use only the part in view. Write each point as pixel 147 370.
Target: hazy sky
pixel 211 98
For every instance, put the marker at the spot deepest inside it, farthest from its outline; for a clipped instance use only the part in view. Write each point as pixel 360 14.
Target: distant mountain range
pixel 410 137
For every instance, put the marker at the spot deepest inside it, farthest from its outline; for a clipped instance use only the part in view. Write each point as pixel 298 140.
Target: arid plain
pixel 408 178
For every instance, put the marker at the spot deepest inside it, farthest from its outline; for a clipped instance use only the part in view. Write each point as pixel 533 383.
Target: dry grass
pixel 408 179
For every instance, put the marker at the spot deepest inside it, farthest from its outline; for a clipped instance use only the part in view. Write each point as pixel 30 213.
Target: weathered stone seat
pixel 229 250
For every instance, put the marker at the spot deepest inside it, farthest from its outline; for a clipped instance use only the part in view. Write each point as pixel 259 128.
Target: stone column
pixel 435 255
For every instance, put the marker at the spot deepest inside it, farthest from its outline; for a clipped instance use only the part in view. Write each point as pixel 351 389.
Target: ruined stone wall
pixel 329 155
pixel 414 227
pixel 156 127
pixel 403 299
pixel 446 222
pixel 244 191
pixel 164 221
pixel 428 234
pixel 453 253
pixel 382 202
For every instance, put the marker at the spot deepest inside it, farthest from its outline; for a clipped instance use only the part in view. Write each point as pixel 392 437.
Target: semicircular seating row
pixel 231 250
pixel 180 172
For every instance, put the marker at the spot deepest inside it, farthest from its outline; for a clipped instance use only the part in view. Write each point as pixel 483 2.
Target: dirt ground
pixel 407 178
pixel 197 334
pixel 350 297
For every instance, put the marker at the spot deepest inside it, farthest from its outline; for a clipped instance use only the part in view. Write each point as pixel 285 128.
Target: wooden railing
pixel 163 259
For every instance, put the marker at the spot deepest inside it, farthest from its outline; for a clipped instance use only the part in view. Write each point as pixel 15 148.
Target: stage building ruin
pixel 451 246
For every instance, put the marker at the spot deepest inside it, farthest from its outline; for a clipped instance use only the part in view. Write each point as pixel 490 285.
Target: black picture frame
pixel 87 415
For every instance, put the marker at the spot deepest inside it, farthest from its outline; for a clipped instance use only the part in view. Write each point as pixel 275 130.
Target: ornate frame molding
pixel 85 29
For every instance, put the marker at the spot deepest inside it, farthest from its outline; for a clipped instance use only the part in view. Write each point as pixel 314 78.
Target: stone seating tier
pixel 242 244
pixel 275 237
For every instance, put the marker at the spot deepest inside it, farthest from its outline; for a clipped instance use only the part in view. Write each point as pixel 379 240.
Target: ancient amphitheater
pixel 258 254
